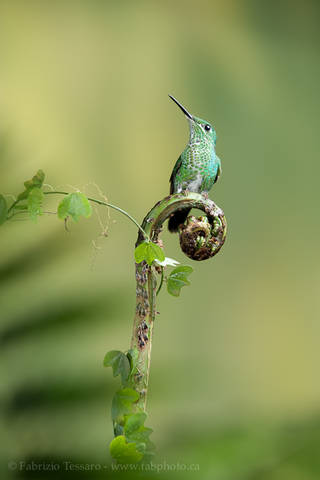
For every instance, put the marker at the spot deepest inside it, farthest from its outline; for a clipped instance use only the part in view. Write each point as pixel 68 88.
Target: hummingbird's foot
pixel 205 195
pixel 186 192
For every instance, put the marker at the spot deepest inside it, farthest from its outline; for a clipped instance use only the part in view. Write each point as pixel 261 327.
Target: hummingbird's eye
pixel 207 127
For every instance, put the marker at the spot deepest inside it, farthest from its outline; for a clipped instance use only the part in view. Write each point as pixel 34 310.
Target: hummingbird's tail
pixel 177 219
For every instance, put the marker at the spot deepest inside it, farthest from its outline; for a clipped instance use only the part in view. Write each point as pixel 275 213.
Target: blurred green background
pixel 235 364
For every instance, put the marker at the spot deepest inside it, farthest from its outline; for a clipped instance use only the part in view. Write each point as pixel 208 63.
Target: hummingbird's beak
pixel 187 114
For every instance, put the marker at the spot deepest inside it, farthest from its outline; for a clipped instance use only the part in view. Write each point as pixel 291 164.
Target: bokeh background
pixel 235 364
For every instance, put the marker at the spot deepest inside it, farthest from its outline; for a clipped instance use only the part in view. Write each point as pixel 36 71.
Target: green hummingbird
pixel 198 166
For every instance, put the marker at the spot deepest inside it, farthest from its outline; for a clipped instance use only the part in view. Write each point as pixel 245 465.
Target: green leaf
pixel 134 428
pixel 122 402
pixel 3 209
pixel 34 203
pixel 124 452
pixel 178 279
pixel 134 422
pixel 119 362
pixel 74 205
pixel 149 252
pixel 35 182
pixel 133 358
pixel 149 450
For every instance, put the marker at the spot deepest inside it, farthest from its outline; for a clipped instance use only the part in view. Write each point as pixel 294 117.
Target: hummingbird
pixel 198 166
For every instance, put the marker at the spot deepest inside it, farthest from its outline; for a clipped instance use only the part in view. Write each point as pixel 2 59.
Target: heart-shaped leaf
pixel 178 279
pixel 122 402
pixel 119 362
pixel 149 252
pixel 124 452
pixel 74 205
pixel 35 182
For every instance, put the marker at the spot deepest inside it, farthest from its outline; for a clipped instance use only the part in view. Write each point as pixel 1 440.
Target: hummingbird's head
pixel 200 130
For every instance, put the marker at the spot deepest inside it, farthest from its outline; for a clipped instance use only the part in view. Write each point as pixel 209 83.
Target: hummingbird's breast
pixel 198 169
pixel 202 163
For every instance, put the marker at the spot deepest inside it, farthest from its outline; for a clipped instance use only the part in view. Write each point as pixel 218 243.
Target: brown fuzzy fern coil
pixel 201 238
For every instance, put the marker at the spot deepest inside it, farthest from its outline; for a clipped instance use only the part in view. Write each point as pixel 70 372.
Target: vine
pixel 200 239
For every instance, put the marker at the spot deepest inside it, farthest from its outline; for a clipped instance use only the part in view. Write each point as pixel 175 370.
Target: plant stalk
pixel 146 279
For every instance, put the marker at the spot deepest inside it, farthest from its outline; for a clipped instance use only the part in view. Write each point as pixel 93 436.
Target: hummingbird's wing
pixel 219 172
pixel 175 170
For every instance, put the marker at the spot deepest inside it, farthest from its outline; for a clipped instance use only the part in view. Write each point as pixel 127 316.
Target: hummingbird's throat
pixel 197 135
